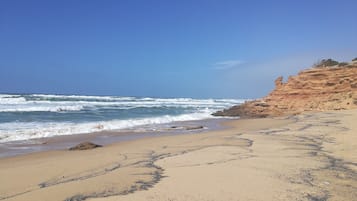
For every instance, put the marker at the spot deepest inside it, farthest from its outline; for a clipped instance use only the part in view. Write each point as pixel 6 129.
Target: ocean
pixel 32 116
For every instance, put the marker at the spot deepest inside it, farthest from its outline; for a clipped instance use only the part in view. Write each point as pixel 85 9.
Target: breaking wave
pixel 30 116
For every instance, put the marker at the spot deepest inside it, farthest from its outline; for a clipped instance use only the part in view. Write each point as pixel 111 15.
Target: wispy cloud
pixel 223 65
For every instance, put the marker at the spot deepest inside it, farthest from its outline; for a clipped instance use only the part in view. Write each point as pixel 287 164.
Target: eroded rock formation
pixel 315 89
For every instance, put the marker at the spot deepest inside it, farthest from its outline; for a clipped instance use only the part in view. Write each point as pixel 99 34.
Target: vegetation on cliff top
pixel 326 63
pixel 343 64
pixel 331 63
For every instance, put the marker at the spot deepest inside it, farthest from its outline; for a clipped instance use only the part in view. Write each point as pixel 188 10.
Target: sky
pixel 168 48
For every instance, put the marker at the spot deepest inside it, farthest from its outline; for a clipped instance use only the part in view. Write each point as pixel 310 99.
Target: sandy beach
pixel 308 157
pixel 178 100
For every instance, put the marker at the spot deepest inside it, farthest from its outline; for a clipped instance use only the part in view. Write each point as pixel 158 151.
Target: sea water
pixel 31 116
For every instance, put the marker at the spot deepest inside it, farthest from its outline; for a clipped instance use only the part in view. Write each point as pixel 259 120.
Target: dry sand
pixel 309 157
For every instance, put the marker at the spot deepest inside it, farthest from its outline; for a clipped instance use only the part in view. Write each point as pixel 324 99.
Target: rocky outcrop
pixel 315 89
pixel 84 146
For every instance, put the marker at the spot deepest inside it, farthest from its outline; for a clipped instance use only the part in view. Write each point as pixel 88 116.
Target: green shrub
pixel 355 59
pixel 343 64
pixel 326 63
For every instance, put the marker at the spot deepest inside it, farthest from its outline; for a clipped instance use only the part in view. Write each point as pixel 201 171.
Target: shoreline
pixel 107 137
pixel 34 116
pixel 303 157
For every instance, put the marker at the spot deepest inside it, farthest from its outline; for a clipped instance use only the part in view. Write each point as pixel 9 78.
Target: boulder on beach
pixel 193 127
pixel 85 146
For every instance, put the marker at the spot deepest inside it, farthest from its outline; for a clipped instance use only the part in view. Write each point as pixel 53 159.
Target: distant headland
pixel 328 85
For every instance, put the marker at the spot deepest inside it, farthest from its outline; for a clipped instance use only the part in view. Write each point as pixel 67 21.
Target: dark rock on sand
pixel 85 146
pixel 193 127
pixel 187 127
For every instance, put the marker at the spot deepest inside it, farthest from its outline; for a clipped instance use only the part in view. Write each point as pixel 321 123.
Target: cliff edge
pixel 320 88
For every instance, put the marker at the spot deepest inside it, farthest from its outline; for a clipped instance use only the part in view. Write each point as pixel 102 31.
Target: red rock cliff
pixel 315 89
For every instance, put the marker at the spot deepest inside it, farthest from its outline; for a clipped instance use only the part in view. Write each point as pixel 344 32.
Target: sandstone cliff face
pixel 316 89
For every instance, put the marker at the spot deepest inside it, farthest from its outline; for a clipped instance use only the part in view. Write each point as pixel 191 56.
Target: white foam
pixel 106 98
pixel 44 109
pixel 12 131
pixel 7 100
pixel 34 130
pixel 17 103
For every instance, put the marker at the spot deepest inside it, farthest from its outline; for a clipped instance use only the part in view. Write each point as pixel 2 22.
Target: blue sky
pixel 183 48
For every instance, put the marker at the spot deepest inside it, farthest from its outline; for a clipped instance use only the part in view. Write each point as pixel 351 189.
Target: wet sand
pixel 308 157
pixel 109 136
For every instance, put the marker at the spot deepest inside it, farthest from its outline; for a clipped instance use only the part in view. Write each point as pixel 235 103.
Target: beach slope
pixel 305 157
